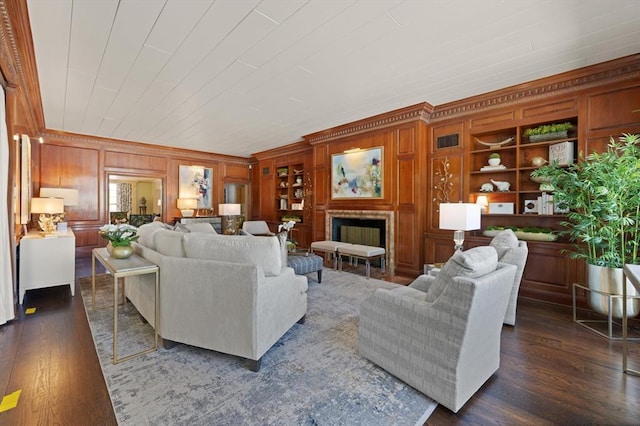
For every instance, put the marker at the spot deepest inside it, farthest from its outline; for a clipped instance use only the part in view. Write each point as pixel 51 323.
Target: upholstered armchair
pixel 510 250
pixel 256 227
pixel 445 342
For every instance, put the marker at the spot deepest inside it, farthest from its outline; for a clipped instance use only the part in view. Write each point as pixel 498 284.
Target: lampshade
pixel 187 203
pixel 483 202
pixel 47 205
pixel 229 209
pixel 459 216
pixel 70 196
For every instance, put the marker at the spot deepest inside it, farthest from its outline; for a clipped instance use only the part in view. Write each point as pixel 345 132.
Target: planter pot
pixel 119 252
pixel 548 136
pixel 610 281
pixel 494 161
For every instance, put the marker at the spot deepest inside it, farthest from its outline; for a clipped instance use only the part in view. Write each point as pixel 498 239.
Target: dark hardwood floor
pixel 552 371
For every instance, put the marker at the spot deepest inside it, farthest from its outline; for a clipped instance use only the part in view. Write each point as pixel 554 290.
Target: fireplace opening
pixel 368 232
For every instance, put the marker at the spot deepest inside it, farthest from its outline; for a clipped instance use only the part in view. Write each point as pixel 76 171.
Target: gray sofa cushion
pixel 146 233
pixel 203 227
pixel 472 263
pixel 504 241
pixel 259 251
pixel 169 243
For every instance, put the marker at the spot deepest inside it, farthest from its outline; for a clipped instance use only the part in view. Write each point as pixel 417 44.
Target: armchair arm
pixel 423 282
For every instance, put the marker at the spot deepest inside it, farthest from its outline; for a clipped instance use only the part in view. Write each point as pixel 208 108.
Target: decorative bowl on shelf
pixel 539 179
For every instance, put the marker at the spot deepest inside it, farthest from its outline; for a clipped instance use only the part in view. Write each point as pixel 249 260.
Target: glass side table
pixel 120 268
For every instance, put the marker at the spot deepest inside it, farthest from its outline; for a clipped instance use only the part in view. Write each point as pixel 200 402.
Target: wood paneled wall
pixel 84 163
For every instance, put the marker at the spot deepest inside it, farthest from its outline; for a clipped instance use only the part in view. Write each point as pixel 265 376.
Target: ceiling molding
pixel 626 68
pixel 17 59
pixel 418 112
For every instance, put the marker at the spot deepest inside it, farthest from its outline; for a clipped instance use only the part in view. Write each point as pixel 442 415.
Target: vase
pixel 119 252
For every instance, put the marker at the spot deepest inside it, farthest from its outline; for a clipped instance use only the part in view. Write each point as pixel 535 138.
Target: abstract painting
pixel 196 182
pixel 357 174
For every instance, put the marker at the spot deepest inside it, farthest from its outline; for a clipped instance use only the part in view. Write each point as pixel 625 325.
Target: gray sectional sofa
pixel 231 294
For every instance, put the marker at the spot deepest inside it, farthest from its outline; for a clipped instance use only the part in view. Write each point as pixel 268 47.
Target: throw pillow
pixel 181 228
pixel 472 263
pixel 146 234
pixel 203 227
pixel 504 241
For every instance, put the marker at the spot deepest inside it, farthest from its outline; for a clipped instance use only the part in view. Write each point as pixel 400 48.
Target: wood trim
pixel 617 70
pixel 420 112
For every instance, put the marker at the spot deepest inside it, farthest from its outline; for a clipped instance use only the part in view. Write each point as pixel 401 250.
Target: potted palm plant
pixel 602 193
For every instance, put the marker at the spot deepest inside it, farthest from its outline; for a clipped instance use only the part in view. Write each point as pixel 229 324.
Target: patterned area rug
pixel 312 376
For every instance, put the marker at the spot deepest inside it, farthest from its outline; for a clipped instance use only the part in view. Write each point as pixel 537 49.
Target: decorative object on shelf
pixel 229 212
pixel 357 174
pixel 545 182
pixel 486 187
pixel 298 181
pixel 538 161
pixel 120 237
pixel 496 144
pixel 282 172
pixel 459 217
pixel 299 193
pixel 601 192
pixel 483 202
pixel 548 132
pixel 531 206
pixel 502 186
pixel 187 206
pixel 48 208
pixel 529 233
pixel 494 159
pixel 284 184
pixel 195 182
pixel 500 208
pixel 561 153
pixel 444 185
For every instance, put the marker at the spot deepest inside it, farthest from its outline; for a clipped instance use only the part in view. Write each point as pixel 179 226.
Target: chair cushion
pixel 472 263
pixel 258 251
pixel 504 241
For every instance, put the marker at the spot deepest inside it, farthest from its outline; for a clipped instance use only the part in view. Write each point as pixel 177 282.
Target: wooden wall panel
pixel 235 172
pixel 77 168
pixel 613 110
pixel 122 160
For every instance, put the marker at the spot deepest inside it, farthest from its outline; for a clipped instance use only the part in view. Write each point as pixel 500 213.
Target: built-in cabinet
pixel 510 181
pixel 290 192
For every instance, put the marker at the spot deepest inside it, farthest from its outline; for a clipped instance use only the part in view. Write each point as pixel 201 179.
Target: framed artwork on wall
pixel 196 182
pixel 25 180
pixel 357 174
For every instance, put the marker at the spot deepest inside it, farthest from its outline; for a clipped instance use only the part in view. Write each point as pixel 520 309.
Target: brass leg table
pixel 120 268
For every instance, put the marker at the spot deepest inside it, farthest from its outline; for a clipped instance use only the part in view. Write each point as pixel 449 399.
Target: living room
pixel 420 143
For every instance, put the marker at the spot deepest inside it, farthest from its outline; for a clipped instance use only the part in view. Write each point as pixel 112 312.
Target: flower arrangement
pixel 288 226
pixel 119 235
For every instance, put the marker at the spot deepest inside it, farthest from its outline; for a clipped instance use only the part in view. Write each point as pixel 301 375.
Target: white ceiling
pixel 242 76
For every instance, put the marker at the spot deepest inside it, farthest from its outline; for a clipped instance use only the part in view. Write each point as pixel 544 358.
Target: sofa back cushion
pixel 258 251
pixel 146 233
pixel 169 243
pixel 472 263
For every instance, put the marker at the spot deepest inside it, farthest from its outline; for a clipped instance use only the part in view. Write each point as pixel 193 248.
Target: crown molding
pixel 418 112
pixel 626 68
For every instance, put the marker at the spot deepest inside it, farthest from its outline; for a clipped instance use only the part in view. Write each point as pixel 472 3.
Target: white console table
pixel 47 262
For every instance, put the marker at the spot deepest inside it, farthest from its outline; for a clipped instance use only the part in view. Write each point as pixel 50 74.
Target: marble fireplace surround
pixel 385 215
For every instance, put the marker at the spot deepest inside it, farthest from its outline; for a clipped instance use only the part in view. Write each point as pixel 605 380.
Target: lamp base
pixel 187 213
pixel 458 239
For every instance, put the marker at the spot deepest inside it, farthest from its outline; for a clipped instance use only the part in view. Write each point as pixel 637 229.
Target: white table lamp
pixel 483 202
pixel 229 211
pixel 47 207
pixel 187 206
pixel 459 217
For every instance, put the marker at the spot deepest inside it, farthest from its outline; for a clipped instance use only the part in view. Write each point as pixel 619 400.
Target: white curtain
pixel 6 278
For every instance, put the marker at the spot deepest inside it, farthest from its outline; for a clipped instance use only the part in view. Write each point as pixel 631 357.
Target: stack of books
pixel 493 168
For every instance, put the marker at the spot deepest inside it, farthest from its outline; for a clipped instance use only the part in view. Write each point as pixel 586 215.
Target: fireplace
pixel 363 227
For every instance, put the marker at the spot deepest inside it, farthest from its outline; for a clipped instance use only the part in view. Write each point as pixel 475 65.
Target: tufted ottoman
pixel 305 263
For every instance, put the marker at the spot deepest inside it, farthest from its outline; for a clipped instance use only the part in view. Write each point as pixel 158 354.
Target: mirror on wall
pixel 134 199
pixel 236 193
